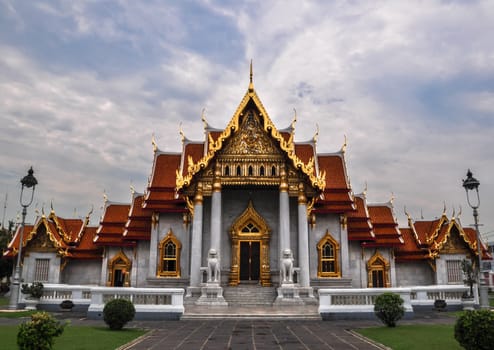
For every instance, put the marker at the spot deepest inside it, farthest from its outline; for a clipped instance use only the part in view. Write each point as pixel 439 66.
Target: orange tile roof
pixel 195 150
pixel 359 223
pixel 384 225
pixel 410 249
pixel 305 151
pixel 138 225
pixel 337 196
pixel 161 195
pixel 111 228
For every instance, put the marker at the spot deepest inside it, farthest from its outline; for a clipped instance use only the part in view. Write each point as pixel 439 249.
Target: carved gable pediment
pixel 40 241
pixel 454 244
pixel 251 139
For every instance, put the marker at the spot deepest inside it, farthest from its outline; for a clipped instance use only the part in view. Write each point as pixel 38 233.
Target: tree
pixel 6 265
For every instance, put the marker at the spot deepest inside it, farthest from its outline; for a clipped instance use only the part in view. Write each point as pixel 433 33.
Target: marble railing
pixel 150 303
pixel 357 302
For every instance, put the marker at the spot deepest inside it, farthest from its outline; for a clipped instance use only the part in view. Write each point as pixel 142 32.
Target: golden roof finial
pixel 444 208
pixel 454 213
pixel 181 131
pixel 459 213
pixel 105 197
pixel 343 147
pixel 153 142
pixel 406 212
pixel 392 199
pixel 365 190
pixel 316 135
pixel 421 214
pixel 132 189
pixel 251 84
pixel 203 118
pixel 294 120
pixel 51 207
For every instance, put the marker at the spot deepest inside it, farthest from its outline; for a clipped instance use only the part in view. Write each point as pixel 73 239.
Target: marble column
pixel 153 245
pixel 284 216
pixel 345 257
pixel 216 213
pixel 196 242
pixel 303 238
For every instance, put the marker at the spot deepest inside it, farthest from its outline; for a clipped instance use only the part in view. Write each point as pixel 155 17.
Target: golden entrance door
pixel 250 261
pixel 250 249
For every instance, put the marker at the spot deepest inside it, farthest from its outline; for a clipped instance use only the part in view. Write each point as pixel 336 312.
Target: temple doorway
pixel 250 254
pixel 250 249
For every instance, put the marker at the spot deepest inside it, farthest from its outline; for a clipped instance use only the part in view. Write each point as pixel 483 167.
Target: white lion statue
pixel 287 266
pixel 213 266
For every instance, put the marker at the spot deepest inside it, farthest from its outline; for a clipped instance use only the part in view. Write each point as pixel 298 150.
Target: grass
pixel 16 314
pixel 414 337
pixel 78 338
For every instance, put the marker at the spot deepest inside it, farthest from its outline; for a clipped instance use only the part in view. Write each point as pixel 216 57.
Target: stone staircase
pixel 249 295
pixel 250 302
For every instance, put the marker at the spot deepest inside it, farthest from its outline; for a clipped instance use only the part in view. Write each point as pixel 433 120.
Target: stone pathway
pixel 253 334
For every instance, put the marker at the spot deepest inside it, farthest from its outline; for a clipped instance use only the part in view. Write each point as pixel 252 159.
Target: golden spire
pixel 406 212
pixel 105 197
pixel 251 84
pixel 153 142
pixel 132 190
pixel 392 199
pixel 365 190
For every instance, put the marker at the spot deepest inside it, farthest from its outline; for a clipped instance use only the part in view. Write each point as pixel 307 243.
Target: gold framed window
pixel 169 264
pixel 328 251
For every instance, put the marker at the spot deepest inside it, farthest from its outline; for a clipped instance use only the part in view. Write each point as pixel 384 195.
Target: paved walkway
pixel 238 334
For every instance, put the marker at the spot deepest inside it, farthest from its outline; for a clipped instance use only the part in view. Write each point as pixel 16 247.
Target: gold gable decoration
pixel 214 146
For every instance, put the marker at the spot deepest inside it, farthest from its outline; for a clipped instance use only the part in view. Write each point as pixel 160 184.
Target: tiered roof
pixel 112 225
pixel 427 239
pixel 70 238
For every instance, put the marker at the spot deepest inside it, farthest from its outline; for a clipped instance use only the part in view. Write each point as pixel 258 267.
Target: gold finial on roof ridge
pixel 294 120
pixel 459 213
pixel 406 212
pixel 105 197
pixel 345 144
pixel 51 207
pixel 251 84
pixel 444 208
pixel 153 142
pixel 365 190
pixel 316 135
pixel 203 118
pixel 132 189
pixel 421 214
pixel 392 199
pixel 181 132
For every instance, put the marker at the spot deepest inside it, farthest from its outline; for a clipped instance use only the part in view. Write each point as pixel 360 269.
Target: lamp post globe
pixel 28 182
pixel 471 185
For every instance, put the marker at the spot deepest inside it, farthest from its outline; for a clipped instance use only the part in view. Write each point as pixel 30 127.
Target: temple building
pixel 247 206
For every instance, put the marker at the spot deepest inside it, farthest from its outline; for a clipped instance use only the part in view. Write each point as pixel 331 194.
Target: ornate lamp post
pixel 471 184
pixel 28 181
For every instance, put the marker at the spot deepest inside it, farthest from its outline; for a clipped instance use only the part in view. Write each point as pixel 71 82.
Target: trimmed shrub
pixel 389 308
pixel 474 330
pixel 118 312
pixel 39 333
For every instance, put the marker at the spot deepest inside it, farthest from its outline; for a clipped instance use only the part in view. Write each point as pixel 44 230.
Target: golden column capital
pixel 302 199
pixel 198 197
pixel 283 180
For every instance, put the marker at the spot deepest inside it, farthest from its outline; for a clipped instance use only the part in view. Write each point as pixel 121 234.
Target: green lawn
pixel 78 338
pixel 414 337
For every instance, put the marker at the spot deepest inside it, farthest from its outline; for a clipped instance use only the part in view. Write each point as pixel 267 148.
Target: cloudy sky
pixel 85 84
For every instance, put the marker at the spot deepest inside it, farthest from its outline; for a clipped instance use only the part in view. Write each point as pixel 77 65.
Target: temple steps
pixel 249 295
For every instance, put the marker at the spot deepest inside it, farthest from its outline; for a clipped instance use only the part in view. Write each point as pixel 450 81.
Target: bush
pixel 39 333
pixel 35 290
pixel 474 330
pixel 389 308
pixel 118 312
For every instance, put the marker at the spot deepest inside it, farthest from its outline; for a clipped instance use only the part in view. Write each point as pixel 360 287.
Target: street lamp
pixel 28 181
pixel 471 184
